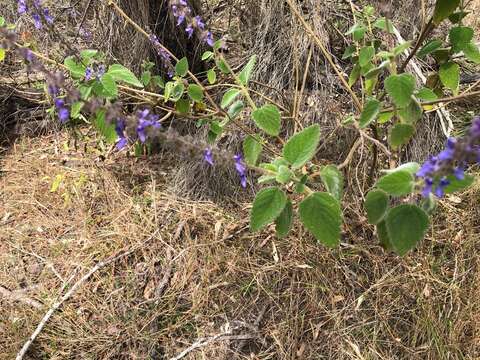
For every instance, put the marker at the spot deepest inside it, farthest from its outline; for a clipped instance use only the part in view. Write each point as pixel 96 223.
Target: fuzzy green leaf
pixel 406 227
pixel 268 118
pixel 400 88
pixel 398 183
pixel 267 206
pixel 301 147
pixel 376 205
pixel 321 214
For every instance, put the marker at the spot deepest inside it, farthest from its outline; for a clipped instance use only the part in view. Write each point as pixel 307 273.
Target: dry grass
pixel 352 303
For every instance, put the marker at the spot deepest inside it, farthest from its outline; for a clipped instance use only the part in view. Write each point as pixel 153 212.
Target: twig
pixel 20 297
pixel 72 291
pixel 202 342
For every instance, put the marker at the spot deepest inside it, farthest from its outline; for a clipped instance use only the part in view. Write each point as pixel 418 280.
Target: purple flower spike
pixel 189 31
pixel 22 7
pixel 459 173
pixel 121 143
pixel 199 22
pixel 208 156
pixel 48 17
pixel 209 39
pixel 63 115
pixel 37 20
pixel 440 191
pixel 241 170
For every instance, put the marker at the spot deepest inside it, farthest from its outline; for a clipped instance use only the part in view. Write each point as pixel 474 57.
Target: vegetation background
pixel 196 271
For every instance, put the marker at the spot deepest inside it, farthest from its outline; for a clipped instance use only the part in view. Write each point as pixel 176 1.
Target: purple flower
pixel 22 7
pixel 459 173
pixel 37 20
pixel 209 39
pixel 181 19
pixel 121 143
pixel 189 31
pixel 100 72
pixel 146 120
pixel 52 90
pixel 88 74
pixel 199 23
pixel 48 17
pixel 63 115
pixel 241 169
pixel 208 156
pixel 440 190
pixel 428 188
pixel 59 103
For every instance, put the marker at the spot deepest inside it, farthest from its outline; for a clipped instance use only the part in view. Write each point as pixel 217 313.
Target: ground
pixel 196 272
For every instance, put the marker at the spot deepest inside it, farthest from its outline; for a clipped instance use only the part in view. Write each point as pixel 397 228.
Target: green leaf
pixel 429 48
pixel 411 167
pixel 460 37
pixel 252 148
pixel 450 76
pixel 472 53
pixel 376 205
pixel 183 106
pixel 76 108
pixel 455 18
pixel 121 73
pixel 302 146
pixel 195 92
pixel 146 78
pixel 207 55
pixel 2 21
pixel 357 31
pixel 412 113
pixel 2 54
pixel 458 185
pixel 443 9
pixel 235 109
pixel 320 213
pixel 406 227
pixel 365 55
pixel 426 94
pixel 223 66
pixel 383 237
pixel 354 75
pixel 398 183
pixel 211 76
pixel 268 119
pixel 349 51
pixel 268 205
pixel 88 54
pixel 384 25
pixel 177 92
pixel 376 71
pixel 105 129
pixel 77 71
pixel 110 88
pixel 370 112
pixel 400 88
pixel 284 222
pixel 181 68
pixel 385 117
pixel 398 50
pixel 247 71
pixel 229 97
pixel 284 174
pixel 332 178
